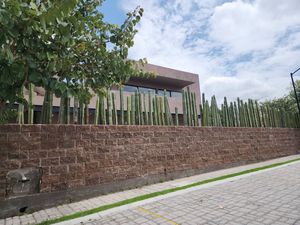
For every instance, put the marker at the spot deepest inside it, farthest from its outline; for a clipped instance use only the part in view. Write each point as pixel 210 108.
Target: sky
pixel 239 48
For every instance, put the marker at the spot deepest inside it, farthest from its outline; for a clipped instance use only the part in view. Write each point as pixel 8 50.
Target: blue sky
pixel 239 48
pixel 113 12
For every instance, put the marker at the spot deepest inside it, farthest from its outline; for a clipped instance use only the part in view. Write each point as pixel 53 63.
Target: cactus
pixel 190 107
pixel 195 113
pixel 68 108
pixel 258 115
pixel 102 112
pixel 122 105
pixel 20 117
pixel 158 110
pixel 30 103
pixel 231 115
pixel 141 109
pixel 169 114
pixel 150 108
pixel 81 114
pixel 184 109
pixel 75 110
pixel 226 113
pixel 137 109
pixel 188 112
pixel 236 113
pixel 155 118
pixel 114 115
pixel 109 108
pixel 64 109
pixel 96 121
pixel 47 108
pixel 86 113
pixel 145 110
pixel 133 112
pixel 162 109
pixel 263 116
pixel 128 111
pixel 247 115
pixel 176 117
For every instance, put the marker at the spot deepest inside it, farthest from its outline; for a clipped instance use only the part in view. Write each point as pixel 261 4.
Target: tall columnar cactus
pixel 270 119
pixel 155 118
pixel 142 121
pixel 263 116
pixel 145 110
pixel 231 115
pixel 253 113
pixel 201 113
pixel 20 117
pixel 81 112
pixel 128 110
pixel 102 113
pixel 176 117
pixel 213 116
pixel 247 115
pixel 75 110
pixel 150 108
pixel 30 103
pixel 115 115
pixel 236 113
pixel 157 107
pixel 109 108
pixel 86 113
pixel 184 109
pixel 47 108
pixel 258 114
pixel 190 107
pixel 169 114
pixel 133 112
pixel 122 105
pixel 241 112
pixel 96 119
pixel 68 108
pixel 226 113
pixel 137 109
pixel 188 112
pixel 162 110
pixel 195 113
pixel 64 109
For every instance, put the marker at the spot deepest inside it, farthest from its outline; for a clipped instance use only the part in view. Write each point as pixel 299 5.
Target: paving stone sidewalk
pixel 182 206
pixel 266 198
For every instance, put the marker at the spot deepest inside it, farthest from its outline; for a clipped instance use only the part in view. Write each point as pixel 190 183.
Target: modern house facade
pixel 171 80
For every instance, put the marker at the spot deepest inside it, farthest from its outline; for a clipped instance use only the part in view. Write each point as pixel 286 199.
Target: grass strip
pixel 158 193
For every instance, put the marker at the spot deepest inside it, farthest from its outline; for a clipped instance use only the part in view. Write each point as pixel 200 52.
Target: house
pixel 171 80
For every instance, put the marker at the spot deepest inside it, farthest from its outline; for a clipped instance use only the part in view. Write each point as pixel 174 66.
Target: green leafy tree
pixel 62 45
pixel 288 102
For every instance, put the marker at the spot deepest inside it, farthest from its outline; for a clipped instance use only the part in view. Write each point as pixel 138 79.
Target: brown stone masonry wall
pixel 75 156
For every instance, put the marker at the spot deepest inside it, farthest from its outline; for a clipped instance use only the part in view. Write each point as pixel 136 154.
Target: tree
pixel 62 45
pixel 288 102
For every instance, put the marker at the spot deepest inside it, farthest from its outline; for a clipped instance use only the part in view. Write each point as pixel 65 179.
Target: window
pixel 130 88
pixel 161 92
pixel 146 90
pixel 176 94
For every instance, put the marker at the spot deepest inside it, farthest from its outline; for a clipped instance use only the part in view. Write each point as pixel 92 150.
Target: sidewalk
pixel 68 209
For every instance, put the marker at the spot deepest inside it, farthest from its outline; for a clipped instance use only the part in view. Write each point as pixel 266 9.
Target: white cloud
pixel 238 48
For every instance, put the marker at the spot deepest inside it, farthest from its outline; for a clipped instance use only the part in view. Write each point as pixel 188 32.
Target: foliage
pixel 288 102
pixel 63 45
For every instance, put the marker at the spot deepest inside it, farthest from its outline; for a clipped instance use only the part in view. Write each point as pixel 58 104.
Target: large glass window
pixel 176 94
pixel 130 88
pixel 161 92
pixel 146 90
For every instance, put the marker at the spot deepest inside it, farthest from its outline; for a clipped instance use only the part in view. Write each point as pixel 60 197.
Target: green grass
pixel 158 193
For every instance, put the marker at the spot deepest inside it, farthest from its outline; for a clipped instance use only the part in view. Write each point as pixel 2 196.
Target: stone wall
pixel 74 156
